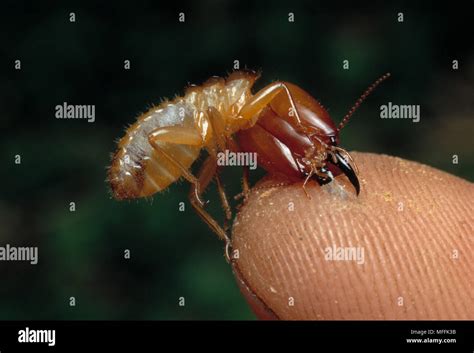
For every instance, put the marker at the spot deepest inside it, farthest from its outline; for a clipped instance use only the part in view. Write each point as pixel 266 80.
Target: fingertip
pixel 409 219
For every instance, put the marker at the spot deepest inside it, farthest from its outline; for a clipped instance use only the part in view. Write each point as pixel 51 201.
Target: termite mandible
pixel 291 132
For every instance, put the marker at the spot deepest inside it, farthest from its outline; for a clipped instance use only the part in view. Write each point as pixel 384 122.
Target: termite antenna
pixel 368 91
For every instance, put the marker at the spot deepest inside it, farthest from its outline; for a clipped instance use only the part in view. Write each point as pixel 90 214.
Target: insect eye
pixel 333 140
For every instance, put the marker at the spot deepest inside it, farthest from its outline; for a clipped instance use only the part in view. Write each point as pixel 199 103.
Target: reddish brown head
pixel 304 148
pixel 281 143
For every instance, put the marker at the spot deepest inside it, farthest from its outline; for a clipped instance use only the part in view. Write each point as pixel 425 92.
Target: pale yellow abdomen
pixel 138 170
pixel 159 172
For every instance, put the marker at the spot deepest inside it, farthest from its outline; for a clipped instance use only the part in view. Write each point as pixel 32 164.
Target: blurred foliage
pixel 173 254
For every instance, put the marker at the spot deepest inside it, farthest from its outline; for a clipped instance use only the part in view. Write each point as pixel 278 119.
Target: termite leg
pixel 179 135
pixel 207 172
pixel 245 182
pixel 225 202
pixel 217 125
pixel 219 144
pixel 306 181
pixel 234 147
pixel 193 137
pixel 263 98
pixel 182 136
pixel 245 188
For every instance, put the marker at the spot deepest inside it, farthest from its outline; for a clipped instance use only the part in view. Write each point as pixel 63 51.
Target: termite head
pixel 303 147
pixel 296 137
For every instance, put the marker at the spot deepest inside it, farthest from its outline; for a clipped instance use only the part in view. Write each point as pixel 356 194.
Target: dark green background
pixel 174 254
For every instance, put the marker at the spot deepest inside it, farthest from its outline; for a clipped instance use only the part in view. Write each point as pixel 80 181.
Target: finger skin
pixel 413 223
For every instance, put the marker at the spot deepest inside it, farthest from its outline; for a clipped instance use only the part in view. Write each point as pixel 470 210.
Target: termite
pixel 291 132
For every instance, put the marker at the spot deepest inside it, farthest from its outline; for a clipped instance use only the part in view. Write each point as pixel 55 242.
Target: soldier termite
pixel 291 132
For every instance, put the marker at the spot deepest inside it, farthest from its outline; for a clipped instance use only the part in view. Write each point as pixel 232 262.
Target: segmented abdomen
pixel 137 169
